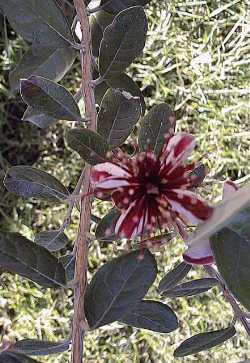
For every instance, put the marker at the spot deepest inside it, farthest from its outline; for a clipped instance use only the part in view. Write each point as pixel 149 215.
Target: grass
pixel 197 60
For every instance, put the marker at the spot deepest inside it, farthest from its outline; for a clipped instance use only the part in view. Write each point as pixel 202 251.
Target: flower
pixel 201 253
pixel 152 191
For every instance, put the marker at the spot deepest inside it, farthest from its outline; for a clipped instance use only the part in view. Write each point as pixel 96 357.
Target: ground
pixel 197 60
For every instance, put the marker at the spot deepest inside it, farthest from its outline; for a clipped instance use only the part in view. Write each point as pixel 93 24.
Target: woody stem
pixel 81 247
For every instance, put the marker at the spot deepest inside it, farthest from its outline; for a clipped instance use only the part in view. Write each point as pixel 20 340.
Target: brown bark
pixel 81 247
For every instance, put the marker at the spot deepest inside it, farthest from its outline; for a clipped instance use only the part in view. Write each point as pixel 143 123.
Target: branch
pixel 239 314
pixel 81 247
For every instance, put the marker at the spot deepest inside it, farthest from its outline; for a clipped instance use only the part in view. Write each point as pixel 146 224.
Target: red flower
pixel 153 191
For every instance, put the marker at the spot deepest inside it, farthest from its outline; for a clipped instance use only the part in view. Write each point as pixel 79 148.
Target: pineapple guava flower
pixel 153 191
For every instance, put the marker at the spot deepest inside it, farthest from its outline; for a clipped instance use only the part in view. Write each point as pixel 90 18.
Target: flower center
pixel 151 188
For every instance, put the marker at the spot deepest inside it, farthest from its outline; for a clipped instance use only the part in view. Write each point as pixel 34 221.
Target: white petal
pixel 111 183
pixel 122 217
pixel 111 169
pixel 188 216
pixel 171 147
pixel 200 254
pixel 228 189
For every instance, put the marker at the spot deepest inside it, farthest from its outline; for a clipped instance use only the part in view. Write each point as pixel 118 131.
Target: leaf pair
pixel 50 56
pixel 170 288
pixel 117 117
pixel 116 292
pixel 98 23
pixel 20 255
pixel 47 99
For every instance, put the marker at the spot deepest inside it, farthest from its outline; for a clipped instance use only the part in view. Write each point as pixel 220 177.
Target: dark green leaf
pixel 191 288
pixel 39 347
pixel 10 357
pixel 98 22
pixel 151 315
pixel 37 21
pixel 27 181
pixel 52 63
pixel 49 98
pixel 115 6
pixel 68 262
pixel 154 126
pixel 90 145
pixel 118 115
pixel 240 223
pixel 25 258
pixel 37 118
pixel 173 277
pixel 100 91
pixel 118 286
pixel 204 341
pixel 122 82
pixel 105 228
pixel 123 40
pixel 126 83
pixel 231 249
pixel 52 240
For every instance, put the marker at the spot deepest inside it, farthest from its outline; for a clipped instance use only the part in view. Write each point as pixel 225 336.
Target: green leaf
pixel 38 118
pixel 151 315
pixel 117 117
pixel 98 22
pixel 52 63
pixel 105 228
pixel 115 6
pixel 117 286
pixel 231 249
pixel 68 262
pixel 127 32
pixel 53 240
pixel 10 357
pixel 49 98
pixel 191 288
pixel 204 341
pixel 173 277
pixel 222 216
pixel 154 126
pixel 39 347
pixel 37 21
pixel 25 258
pixel 90 145
pixel 124 83
pixel 27 182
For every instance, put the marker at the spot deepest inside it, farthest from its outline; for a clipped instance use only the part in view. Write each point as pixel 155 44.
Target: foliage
pixel 85 132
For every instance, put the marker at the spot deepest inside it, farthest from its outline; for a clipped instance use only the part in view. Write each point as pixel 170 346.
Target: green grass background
pixel 197 60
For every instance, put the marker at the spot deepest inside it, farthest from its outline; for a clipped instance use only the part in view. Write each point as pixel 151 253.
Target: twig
pixel 79 319
pixel 239 314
